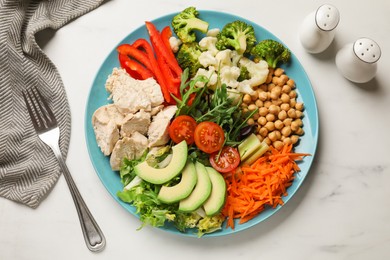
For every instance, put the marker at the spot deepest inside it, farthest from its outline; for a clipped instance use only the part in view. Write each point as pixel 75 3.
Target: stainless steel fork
pixel 45 125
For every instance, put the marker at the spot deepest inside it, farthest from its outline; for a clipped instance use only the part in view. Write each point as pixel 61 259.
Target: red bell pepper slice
pixel 161 49
pixel 135 69
pixel 136 54
pixel 166 34
pixel 144 45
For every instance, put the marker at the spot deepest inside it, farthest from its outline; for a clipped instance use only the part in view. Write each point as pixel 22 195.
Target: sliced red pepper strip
pixel 161 49
pixel 159 76
pixel 135 69
pixel 136 54
pixel 173 87
pixel 166 33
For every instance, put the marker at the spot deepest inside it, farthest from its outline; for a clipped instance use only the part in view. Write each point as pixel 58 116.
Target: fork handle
pixel 93 236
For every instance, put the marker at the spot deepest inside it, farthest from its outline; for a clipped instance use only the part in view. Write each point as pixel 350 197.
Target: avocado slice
pixel 216 201
pixel 163 175
pixel 181 190
pixel 200 193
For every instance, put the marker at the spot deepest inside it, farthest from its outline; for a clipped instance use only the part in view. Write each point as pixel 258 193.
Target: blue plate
pixel 98 97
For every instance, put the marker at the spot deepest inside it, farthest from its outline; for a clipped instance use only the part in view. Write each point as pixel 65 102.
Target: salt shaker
pixel 358 61
pixel 318 28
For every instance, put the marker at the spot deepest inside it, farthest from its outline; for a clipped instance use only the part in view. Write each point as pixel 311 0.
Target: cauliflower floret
pixel 224 58
pixel 244 87
pixel 258 72
pixel 213 32
pixel 207 59
pixel 208 44
pixel 235 58
pixel 175 43
pixel 209 73
pixel 229 76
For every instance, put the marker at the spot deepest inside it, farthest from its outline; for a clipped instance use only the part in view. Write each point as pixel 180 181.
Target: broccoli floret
pixel 185 23
pixel 272 52
pixel 188 57
pixel 238 36
pixel 244 74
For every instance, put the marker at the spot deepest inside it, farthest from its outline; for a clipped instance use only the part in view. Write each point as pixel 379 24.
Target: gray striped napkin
pixel 28 168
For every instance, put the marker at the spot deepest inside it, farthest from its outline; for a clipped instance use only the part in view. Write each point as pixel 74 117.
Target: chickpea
pixel 261 120
pixel 272 136
pixel 263 131
pixel 283 80
pixel 277 90
pixel 259 103
pixel 282 115
pixel 298 113
pixel 267 104
pixel 250 121
pixel 278 134
pixel 291 113
pixel 263 96
pixel 274 96
pixel 287 121
pixel 254 96
pixel 294 126
pixel 299 106
pixel 263 111
pixel 252 107
pixel 278 124
pixel 286 89
pixel 285 98
pixel 287 140
pixel 293 94
pixel 285 107
pixel 294 139
pixel 277 102
pixel 278 72
pixel 271 86
pixel 273 109
pixel 291 83
pixel 245 110
pixel 247 99
pixel 275 80
pixel 270 126
pixel 300 131
pixel 244 105
pixel 270 117
pixel 267 141
pixel 286 131
pixel 278 145
pixel 256 116
pixel 299 121
pixel 293 102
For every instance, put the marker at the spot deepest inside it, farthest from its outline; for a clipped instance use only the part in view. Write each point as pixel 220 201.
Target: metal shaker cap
pixel 327 17
pixel 367 50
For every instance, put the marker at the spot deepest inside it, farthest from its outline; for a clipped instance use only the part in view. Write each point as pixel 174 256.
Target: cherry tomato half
pixel 209 137
pixel 228 159
pixel 182 128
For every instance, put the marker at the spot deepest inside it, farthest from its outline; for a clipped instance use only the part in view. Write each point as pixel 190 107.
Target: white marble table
pixel 340 212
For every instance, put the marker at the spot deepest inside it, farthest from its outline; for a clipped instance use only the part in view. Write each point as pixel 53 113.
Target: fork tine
pixel 27 100
pixel 41 101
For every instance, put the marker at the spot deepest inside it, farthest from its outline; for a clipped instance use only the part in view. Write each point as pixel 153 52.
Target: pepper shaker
pixel 318 28
pixel 358 61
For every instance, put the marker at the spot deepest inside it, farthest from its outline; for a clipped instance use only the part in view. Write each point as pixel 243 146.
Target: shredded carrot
pixel 253 188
